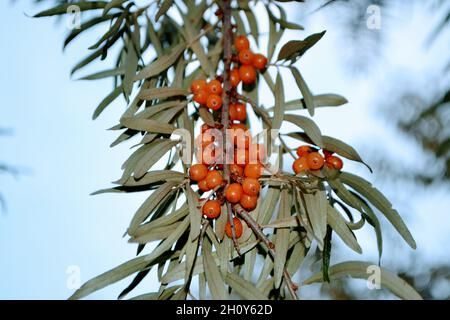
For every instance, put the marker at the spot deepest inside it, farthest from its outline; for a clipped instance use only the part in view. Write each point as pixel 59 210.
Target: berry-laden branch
pixel 292 287
pixel 227 38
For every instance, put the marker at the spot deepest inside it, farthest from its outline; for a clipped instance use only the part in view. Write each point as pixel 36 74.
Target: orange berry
pixel 248 202
pixel 241 43
pixel 198 172
pixel 335 162
pixel 205 127
pixel 236 126
pixel 235 79
pixel 214 102
pixel 246 57
pixel 210 154
pixel 304 150
pixel 213 179
pixel 201 97
pixel 247 74
pixel 214 87
pixel 198 85
pixel 238 112
pixel 237 228
pixel 251 186
pixel 211 209
pixel 233 192
pixel 327 153
pixel 236 170
pixel 315 161
pixel 300 165
pixel 203 185
pixel 259 61
pixel 253 170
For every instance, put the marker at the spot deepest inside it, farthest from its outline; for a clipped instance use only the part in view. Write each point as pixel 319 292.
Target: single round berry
pixel 246 57
pixel 315 161
pixel 237 228
pixel 304 151
pixel 233 192
pixel 213 179
pixel 203 185
pixel 327 153
pixel 335 162
pixel 251 186
pixel 248 202
pixel 247 74
pixel 300 165
pixel 235 78
pixel 211 209
pixel 236 170
pixel 205 127
pixel 214 102
pixel 238 112
pixel 253 170
pixel 214 87
pixel 259 61
pixel 241 43
pixel 198 85
pixel 198 172
pixel 201 97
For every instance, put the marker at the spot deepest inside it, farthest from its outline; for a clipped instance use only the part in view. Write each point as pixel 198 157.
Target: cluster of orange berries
pixel 244 173
pixel 311 159
pixel 207 93
pixel 249 62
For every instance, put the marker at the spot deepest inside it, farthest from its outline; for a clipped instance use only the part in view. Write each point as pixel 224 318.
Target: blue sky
pixel 52 222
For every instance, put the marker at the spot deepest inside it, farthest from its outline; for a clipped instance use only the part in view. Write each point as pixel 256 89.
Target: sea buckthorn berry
pixel 233 192
pixel 248 202
pixel 247 74
pixel 242 140
pixel 211 209
pixel 246 57
pixel 201 97
pixel 300 165
pixel 214 102
pixel 238 112
pixel 315 161
pixel 335 162
pixel 259 61
pixel 203 185
pixel 241 43
pixel 214 87
pixel 236 126
pixel 213 179
pixel 198 85
pixel 235 79
pixel 304 151
pixel 327 153
pixel 198 172
pixel 251 186
pixel 236 170
pixel 253 170
pixel 237 228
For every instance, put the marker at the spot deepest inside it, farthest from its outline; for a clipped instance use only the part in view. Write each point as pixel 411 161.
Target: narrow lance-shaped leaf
pixel 282 238
pixel 279 103
pixel 338 224
pixel 296 48
pixel 364 270
pixel 375 197
pixel 63 9
pixel 244 288
pixel 304 89
pixel 311 129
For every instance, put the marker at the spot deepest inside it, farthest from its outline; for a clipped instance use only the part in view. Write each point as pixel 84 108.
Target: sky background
pixel 53 223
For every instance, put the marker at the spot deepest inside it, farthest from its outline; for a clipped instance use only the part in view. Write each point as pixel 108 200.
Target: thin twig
pixel 292 287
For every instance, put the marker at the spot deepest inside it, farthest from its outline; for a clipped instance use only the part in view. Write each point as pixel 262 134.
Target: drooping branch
pixel 292 287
